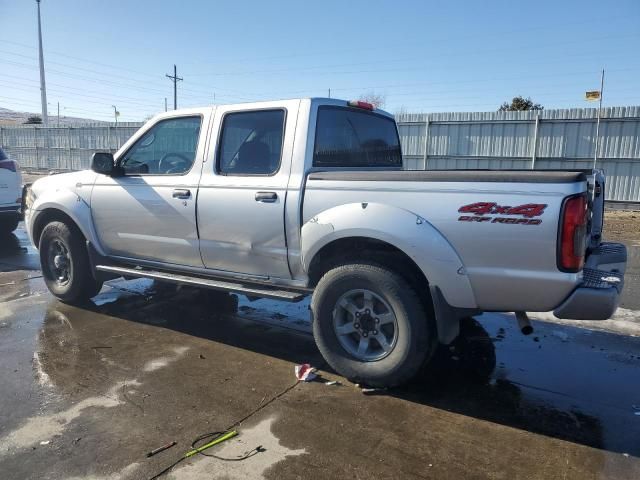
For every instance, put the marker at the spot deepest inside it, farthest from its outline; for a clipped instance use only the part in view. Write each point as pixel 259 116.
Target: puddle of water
pixel 44 427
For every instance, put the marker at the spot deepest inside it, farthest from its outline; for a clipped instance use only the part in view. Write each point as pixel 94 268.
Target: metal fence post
pixel 426 144
pixel 535 142
pixel 69 145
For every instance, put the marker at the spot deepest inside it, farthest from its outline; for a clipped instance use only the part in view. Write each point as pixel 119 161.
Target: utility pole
pixel 58 114
pixel 595 154
pixel 43 89
pixel 165 104
pixel 175 79
pixel 329 93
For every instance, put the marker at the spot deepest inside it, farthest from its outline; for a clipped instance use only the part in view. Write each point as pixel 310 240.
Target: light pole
pixel 43 88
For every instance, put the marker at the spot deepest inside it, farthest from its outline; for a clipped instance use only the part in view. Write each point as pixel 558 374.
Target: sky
pixel 419 55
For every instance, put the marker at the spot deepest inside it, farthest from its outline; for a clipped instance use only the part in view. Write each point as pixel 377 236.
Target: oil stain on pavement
pixel 87 392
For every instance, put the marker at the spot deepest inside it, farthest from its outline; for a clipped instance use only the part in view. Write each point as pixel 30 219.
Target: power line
pixel 102 81
pixel 394 45
pixel 111 66
pixel 408 59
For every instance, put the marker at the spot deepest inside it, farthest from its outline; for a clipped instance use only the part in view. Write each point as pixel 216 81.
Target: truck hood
pixel 66 181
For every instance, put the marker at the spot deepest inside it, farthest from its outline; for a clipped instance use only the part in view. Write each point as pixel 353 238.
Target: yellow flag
pixel 592 95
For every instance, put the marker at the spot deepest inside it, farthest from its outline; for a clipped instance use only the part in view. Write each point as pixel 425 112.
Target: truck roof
pixel 315 101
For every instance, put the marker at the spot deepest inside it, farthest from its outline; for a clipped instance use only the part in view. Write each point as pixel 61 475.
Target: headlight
pixel 29 197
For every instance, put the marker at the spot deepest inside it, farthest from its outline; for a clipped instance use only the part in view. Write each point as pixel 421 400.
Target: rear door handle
pixel 181 193
pixel 266 197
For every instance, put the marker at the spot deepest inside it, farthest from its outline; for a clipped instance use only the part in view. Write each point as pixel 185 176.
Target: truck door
pixel 149 213
pixel 243 190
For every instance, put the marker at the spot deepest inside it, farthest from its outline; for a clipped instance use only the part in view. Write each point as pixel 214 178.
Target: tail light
pixel 361 104
pixel 9 165
pixel 573 234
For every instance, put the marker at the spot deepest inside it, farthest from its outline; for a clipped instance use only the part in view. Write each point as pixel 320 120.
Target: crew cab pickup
pixel 292 198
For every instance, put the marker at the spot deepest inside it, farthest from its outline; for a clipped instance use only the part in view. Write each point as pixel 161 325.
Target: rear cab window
pixel 251 143
pixel 349 137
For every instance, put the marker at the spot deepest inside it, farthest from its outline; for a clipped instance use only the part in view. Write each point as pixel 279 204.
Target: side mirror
pixel 102 162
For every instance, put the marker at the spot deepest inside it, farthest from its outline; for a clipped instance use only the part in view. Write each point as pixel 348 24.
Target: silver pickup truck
pixel 292 198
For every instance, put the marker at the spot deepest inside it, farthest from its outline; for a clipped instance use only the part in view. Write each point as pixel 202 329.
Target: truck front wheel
pixel 65 263
pixel 371 326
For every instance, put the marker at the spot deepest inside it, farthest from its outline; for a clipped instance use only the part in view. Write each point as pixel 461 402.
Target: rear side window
pixel 251 143
pixel 352 138
pixel 3 156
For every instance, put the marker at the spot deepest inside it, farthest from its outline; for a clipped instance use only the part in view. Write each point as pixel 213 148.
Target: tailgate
pixel 602 278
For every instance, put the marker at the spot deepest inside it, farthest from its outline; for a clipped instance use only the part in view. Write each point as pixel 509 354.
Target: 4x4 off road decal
pixel 486 212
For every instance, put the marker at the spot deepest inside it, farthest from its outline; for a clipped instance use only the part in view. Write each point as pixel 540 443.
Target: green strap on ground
pixel 218 440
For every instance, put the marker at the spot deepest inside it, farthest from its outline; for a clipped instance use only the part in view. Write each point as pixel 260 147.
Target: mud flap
pixel 448 317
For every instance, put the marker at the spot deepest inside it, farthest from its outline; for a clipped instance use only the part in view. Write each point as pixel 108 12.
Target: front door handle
pixel 266 197
pixel 181 193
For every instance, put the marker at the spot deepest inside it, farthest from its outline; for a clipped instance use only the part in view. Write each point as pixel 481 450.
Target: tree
pixel 519 104
pixel 34 120
pixel 375 99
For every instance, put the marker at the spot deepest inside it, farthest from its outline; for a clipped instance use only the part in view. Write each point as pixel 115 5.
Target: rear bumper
pixel 598 296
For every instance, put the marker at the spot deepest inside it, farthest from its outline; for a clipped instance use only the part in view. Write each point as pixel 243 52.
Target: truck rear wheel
pixel 65 264
pixel 371 326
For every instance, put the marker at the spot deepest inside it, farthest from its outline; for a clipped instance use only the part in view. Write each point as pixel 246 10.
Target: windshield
pixel 348 137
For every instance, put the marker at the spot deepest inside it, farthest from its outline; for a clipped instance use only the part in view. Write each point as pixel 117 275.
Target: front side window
pixel 251 143
pixel 352 138
pixel 168 148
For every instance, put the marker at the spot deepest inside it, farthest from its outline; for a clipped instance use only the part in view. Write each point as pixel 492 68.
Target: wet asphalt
pixel 86 392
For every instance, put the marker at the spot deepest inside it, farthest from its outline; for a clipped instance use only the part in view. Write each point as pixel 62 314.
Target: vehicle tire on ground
pixel 475 350
pixel 371 326
pixel 8 225
pixel 65 263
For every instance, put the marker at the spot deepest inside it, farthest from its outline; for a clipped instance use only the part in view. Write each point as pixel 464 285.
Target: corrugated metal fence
pixel 549 139
pixel 64 148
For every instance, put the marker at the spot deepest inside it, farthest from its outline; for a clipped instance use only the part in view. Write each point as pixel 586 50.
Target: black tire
pixel 475 350
pixel 416 339
pixel 79 284
pixel 8 225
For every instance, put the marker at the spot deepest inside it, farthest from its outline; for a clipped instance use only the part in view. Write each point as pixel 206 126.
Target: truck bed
pixel 510 259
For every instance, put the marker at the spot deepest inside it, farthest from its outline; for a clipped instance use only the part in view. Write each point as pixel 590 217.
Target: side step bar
pixel 252 291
